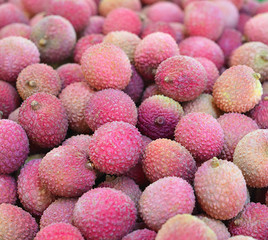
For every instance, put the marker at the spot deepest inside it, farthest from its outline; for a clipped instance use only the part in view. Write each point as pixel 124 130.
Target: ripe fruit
pixel 142 234
pixel 260 112
pixel 8 189
pixel 16 29
pixel 34 6
pixel 94 26
pixel 79 141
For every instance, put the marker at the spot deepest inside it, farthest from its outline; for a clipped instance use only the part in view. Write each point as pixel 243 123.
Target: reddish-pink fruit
pixel 152 50
pixel 158 116
pixel 243 19
pixel 54 37
pixel 238 89
pixel 60 210
pixel 33 195
pixel 225 196
pixel 181 78
pixel 35 6
pixel 158 12
pixel 38 78
pixel 229 41
pixel 16 29
pixel 20 52
pixel 212 73
pixel 235 126
pixel 142 234
pixel 15 223
pixel 185 226
pixel 256 29
pixel 122 19
pixel 8 189
pixel 107 106
pixel 202 47
pixel 58 231
pixel 14 146
pixel 10 13
pixel 9 99
pixel 164 199
pixel 201 134
pixel 80 141
pixel 165 158
pixel 14 116
pixel 84 43
pixel 260 112
pixel 204 19
pixel 163 27
pixel 94 25
pixel 35 19
pixel 262 8
pixel 106 66
pixel 104 213
pixel 251 222
pixel 74 98
pixel 115 147
pixel 44 119
pixel 180 31
pixel 70 73
pixel 93 6
pixel 62 160
pixel 150 91
pixel 77 12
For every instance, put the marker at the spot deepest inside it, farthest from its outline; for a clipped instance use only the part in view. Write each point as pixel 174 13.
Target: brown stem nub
pixel 35 105
pixel 215 162
pixel 257 76
pixel 265 98
pixel 167 79
pixel 1 115
pixel 264 57
pixel 90 165
pixel 237 222
pixel 42 42
pixel 160 120
pixel 32 83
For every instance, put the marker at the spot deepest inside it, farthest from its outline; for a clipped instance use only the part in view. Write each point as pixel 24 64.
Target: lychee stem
pixel 42 42
pixel 110 178
pixel 167 79
pixel 264 58
pixel 215 162
pixel 160 120
pixel 1 114
pixel 265 98
pixel 90 165
pixel 35 105
pixel 237 221
pixel 31 83
pixel 257 76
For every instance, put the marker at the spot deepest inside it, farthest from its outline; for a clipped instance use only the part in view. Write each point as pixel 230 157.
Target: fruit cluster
pixel 133 120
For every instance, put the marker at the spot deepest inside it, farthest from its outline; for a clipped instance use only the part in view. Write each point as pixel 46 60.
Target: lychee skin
pixel 15 223
pixel 9 99
pixel 113 217
pixel 243 19
pixel 142 234
pixel 64 159
pixel 16 29
pixel 252 222
pixel 260 112
pixel 59 231
pixel 110 105
pixel 8 189
pixel 164 158
pixel 164 199
pixel 54 37
pixel 14 146
pixel 204 139
pixel 225 197
pixel 80 141
pixel 106 66
pixel 14 116
pixel 34 6
pixel 124 144
pixel 94 26
pixel 44 119
pixel 20 52
pixel 181 78
pixel 29 182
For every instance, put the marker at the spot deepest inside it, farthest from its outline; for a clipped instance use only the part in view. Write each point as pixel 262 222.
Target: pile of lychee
pixel 133 120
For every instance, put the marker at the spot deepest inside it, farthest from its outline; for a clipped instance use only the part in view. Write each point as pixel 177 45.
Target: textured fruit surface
pixel 158 116
pixel 60 210
pixel 181 78
pixel 204 103
pixel 14 116
pixel 201 134
pixel 150 91
pixel 109 105
pixel 80 141
pixel 44 119
pixel 104 213
pixel 29 182
pixel 64 171
pixel 59 231
pixel 164 199
pixel 94 25
pixel 238 89
pixel 152 50
pixel 16 29
pixel 34 6
pixel 142 234
pixel 253 222
pixel 185 226
pixel 204 19
pixel 38 78
pixel 8 189
pixel 15 223
pixel 235 126
pixel 9 99
pixel 74 98
pixel 225 197
pixel 164 158
pixel 14 146
pixel 20 52
pixel 54 37
pixel 122 19
pixel 115 147
pixel 202 47
pixel 251 157
pixel 106 66
pixel 254 55
pixel 152 27
pixel 260 112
